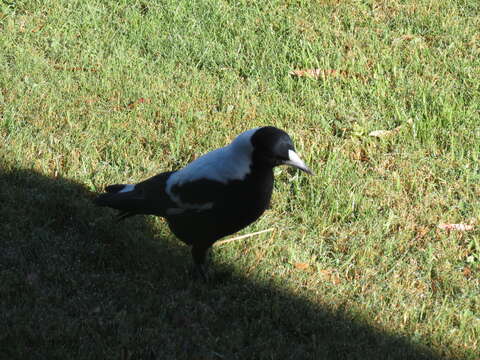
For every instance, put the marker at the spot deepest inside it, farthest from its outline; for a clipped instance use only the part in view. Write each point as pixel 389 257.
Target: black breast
pixel 235 205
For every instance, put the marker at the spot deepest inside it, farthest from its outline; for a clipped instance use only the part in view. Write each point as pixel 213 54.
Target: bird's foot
pixel 200 271
pixel 199 254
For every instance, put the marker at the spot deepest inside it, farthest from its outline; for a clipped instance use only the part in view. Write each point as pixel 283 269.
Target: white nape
pixel 228 163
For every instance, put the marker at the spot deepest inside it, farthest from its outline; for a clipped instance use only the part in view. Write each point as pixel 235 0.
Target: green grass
pixel 382 281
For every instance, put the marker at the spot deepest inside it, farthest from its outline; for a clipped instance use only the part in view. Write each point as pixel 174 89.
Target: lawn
pixel 98 92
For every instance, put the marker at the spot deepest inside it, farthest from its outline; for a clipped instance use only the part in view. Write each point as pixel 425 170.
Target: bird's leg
pixel 199 254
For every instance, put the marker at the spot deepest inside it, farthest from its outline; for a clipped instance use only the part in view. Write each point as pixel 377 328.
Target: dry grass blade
pixel 324 73
pixel 457 227
pixel 74 68
pixel 242 237
pixel 383 133
pixel 301 266
pixel 317 73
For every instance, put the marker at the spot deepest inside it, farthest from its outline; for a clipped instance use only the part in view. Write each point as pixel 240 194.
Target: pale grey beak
pixel 294 160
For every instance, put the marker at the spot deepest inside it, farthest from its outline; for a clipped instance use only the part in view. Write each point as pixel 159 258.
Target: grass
pixel 98 92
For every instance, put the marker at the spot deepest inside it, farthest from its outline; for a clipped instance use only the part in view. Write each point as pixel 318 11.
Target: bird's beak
pixel 294 160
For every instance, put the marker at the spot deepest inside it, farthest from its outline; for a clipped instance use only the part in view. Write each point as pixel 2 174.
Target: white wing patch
pixel 127 188
pixel 186 206
pixel 231 162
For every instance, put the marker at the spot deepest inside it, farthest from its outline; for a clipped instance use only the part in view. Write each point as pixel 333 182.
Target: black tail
pixel 111 197
pixel 125 202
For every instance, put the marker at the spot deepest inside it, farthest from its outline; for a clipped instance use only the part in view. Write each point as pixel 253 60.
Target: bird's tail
pixel 121 197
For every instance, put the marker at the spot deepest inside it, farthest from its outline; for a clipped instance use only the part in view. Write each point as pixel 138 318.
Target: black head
pixel 274 147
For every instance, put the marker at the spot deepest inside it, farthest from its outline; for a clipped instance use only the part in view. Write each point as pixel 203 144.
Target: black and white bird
pixel 216 195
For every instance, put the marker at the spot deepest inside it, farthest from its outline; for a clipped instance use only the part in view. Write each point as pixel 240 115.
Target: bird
pixel 216 195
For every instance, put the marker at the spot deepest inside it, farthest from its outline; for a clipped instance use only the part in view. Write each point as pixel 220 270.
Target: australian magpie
pixel 216 195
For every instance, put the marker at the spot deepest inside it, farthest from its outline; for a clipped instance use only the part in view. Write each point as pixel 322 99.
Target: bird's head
pixel 272 147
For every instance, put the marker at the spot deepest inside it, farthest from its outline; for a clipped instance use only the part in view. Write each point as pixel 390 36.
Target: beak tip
pixel 294 160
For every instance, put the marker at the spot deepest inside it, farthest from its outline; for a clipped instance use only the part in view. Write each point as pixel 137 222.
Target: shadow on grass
pixel 76 285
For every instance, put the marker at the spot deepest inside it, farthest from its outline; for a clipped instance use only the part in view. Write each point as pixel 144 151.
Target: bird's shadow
pixel 76 284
